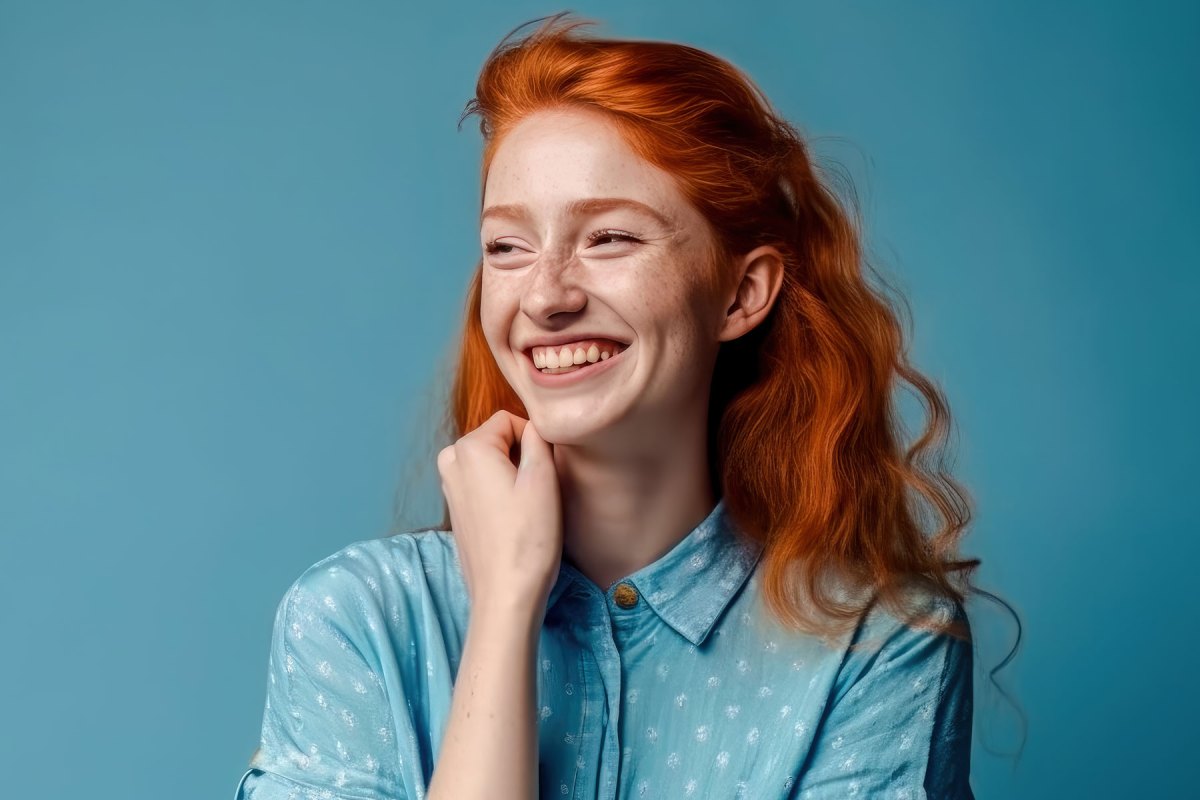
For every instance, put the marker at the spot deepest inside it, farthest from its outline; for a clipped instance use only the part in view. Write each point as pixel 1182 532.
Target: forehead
pixel 552 159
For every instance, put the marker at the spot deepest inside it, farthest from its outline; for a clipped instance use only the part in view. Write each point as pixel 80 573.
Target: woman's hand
pixel 506 519
pixel 507 524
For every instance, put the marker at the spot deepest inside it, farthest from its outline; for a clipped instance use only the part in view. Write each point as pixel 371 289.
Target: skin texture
pixel 548 278
pixel 629 444
pixel 612 471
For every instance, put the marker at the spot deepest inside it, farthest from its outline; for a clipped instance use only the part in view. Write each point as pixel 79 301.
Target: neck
pixel 624 511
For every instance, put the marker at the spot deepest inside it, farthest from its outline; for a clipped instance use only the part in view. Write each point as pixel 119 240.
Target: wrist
pixel 516 610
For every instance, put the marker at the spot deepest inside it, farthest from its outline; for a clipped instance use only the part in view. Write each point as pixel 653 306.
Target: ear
pixel 762 276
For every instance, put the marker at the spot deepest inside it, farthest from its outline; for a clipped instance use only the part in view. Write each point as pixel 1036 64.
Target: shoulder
pixel 902 702
pixel 348 674
pixel 925 643
pixel 921 611
pixel 365 584
pixel 368 564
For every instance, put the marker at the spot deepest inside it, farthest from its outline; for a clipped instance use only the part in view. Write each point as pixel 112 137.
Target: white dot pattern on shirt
pixel 718 702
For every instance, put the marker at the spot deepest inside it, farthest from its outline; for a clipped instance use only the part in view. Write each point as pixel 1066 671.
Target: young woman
pixel 685 552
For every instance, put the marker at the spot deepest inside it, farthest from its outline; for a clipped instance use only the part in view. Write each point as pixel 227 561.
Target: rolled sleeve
pixel 328 729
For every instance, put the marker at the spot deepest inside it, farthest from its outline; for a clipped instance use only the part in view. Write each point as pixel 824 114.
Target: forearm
pixel 489 749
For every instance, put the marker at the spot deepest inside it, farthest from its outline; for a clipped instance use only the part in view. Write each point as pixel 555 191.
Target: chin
pixel 565 430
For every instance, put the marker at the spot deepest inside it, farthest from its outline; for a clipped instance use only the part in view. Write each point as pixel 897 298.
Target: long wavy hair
pixel 805 440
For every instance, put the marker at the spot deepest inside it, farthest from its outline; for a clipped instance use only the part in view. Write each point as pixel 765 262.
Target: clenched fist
pixel 506 519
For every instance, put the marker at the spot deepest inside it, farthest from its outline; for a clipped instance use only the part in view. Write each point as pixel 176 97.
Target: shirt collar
pixel 690 585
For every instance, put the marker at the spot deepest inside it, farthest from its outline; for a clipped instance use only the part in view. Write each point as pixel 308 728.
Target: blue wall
pixel 234 239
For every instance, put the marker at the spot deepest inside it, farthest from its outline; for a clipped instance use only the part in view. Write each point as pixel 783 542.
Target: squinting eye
pixel 611 234
pixel 493 248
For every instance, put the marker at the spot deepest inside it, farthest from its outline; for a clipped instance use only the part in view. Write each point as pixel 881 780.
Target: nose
pixel 552 288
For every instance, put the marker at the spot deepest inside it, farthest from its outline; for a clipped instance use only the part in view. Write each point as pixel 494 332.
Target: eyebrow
pixel 589 205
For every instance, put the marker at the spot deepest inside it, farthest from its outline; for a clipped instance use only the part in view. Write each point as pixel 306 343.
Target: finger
pixel 505 424
pixel 518 424
pixel 499 433
pixel 535 451
pixel 445 459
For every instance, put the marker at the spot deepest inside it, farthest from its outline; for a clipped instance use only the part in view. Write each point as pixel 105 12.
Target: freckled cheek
pixel 664 311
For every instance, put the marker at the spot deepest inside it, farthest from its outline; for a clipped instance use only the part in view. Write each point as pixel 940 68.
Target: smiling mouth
pixel 572 374
pixel 547 362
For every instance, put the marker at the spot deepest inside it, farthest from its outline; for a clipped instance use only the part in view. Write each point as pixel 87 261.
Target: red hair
pixel 804 439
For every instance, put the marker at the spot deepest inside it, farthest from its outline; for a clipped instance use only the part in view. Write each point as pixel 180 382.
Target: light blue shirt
pixel 674 682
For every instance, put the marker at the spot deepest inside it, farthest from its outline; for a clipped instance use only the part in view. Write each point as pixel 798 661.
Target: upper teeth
pixel 575 353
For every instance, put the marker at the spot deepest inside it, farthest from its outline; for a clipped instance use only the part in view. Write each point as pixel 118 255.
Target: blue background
pixel 234 242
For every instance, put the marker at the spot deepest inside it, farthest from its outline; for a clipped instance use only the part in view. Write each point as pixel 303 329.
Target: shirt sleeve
pixel 328 729
pixel 899 724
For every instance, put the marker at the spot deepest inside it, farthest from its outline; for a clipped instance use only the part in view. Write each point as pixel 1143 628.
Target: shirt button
pixel 625 595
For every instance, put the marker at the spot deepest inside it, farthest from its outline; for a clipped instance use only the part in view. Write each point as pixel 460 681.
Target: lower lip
pixel 575 376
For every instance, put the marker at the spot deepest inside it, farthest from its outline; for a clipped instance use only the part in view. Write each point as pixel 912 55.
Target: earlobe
pixel 762 277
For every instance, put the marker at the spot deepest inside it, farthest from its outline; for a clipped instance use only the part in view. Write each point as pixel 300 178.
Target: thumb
pixel 535 451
